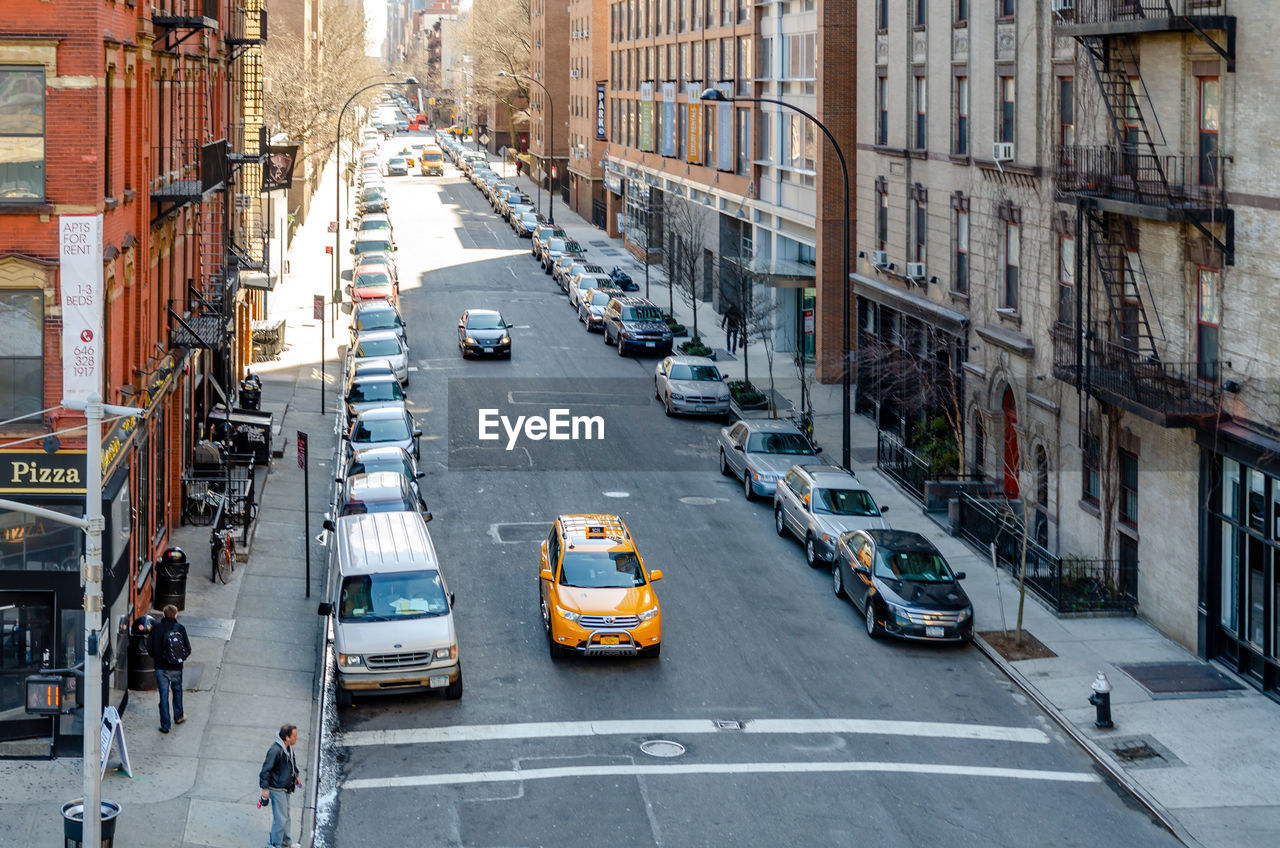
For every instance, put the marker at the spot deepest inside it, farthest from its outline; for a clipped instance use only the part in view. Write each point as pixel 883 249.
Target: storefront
pixel 1240 553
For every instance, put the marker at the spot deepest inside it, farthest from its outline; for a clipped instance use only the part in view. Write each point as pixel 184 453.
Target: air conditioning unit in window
pixel 1064 5
pixel 915 270
pixel 879 258
pixel 1002 151
pixel 573 73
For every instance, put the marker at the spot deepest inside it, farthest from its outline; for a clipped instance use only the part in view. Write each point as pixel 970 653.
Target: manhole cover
pixel 1135 753
pixel 697 501
pixel 662 748
pixel 617 494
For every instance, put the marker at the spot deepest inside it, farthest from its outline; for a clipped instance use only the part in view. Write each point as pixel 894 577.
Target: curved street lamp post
pixel 551 142
pixel 718 96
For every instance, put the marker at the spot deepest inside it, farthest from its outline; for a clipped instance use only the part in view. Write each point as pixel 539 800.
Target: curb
pixel 1093 749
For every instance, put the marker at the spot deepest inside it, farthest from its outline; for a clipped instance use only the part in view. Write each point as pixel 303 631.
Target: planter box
pixel 780 403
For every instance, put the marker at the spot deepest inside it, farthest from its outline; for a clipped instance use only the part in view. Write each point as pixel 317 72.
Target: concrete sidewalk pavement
pixel 1213 778
pixel 255 640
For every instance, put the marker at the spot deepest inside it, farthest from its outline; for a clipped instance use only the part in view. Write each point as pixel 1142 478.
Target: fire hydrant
pixel 1101 700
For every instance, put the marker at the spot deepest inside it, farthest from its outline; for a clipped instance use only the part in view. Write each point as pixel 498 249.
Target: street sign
pixel 328 248
pixel 484 138
pixel 808 320
pixel 333 226
pixel 302 449
pixel 317 307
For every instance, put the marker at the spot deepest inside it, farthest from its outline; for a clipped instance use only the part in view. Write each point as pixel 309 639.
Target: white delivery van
pixel 392 610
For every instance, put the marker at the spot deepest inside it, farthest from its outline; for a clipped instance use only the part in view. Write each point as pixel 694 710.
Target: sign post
pixel 306 501
pixel 317 313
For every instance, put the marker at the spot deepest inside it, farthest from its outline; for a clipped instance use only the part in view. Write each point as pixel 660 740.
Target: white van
pixel 392 610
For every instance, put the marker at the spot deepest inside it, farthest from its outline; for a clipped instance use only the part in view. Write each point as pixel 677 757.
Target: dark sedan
pixel 903 586
pixel 484 331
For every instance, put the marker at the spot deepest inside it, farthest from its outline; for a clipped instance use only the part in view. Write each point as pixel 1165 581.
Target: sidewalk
pixel 1213 778
pixel 254 640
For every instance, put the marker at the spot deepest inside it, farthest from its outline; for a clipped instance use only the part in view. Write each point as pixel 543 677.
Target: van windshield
pixel 392 597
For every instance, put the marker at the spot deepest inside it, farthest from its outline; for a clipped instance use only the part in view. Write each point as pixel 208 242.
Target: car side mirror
pixel 329 525
pixel 324 609
pixel 860 568
pixel 419 475
pixel 338 478
pixel 545 574
pixel 739 448
pixel 351 249
pixel 959 575
pixel 417 433
pixel 511 326
pixel 883 510
pixel 346 437
pixel 806 500
pixel 346 308
pixel 817 450
pixel 655 575
pixel 453 601
pixel 426 516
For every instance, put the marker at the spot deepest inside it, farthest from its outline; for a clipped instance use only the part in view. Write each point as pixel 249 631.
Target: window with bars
pixel 1091 468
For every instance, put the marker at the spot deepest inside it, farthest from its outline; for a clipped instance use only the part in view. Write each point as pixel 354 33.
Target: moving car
pixel 387 427
pixel 410 158
pixel 484 331
pixel 820 503
pixel 760 451
pixel 903 586
pixel 635 324
pixel 691 385
pixel 595 593
pixel 383 344
pixel 380 491
pixel 431 162
pixel 397 167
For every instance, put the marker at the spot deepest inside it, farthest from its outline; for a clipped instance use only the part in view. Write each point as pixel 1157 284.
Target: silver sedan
pixel 760 452
pixel 691 385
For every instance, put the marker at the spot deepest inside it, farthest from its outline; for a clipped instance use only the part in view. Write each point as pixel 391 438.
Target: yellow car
pixel 596 594
pixel 409 156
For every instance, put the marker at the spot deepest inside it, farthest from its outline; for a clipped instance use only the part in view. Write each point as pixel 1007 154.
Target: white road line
pixel 519 775
pixel 677 727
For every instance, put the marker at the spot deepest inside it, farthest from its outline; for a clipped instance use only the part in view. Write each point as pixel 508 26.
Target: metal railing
pixel 914 473
pixel 1119 11
pixel 1067 585
pixel 1131 174
pixel 224 493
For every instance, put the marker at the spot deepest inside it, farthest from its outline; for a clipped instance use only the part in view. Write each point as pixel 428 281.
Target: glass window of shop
pixel 26 643
pixel 1246 510
pixel 30 543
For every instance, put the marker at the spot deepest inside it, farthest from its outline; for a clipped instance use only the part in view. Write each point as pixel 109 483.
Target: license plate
pixel 439 681
pixel 933 632
pixel 488 350
pixel 699 409
pixel 608 640
pixel 650 344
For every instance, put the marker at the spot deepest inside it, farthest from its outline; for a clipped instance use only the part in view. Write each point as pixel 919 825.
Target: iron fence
pixel 1118 11
pixel 1129 173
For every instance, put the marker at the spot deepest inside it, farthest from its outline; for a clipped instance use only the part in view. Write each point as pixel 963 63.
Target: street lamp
pixel 551 141
pixel 346 191
pixel 338 214
pixel 716 95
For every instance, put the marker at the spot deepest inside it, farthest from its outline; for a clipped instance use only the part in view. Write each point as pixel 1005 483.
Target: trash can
pixel 251 392
pixel 142 665
pixel 171 579
pixel 73 823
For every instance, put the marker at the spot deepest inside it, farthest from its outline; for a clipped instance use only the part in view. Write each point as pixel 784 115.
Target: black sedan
pixel 484 332
pixel 903 586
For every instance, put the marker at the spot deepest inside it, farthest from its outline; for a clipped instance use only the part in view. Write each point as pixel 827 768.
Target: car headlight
pixel 966 613
pixel 677 396
pixel 648 614
pixel 347 660
pixel 505 340
pixel 568 615
pixel 470 340
pixel 899 613
pixel 826 537
pixel 449 653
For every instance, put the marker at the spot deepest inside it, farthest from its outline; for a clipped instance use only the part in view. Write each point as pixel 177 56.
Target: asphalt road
pixel 796 728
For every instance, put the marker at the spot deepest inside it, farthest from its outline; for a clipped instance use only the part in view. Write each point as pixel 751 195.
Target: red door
pixel 1011 459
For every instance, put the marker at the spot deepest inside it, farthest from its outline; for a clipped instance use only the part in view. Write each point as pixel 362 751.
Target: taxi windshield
pixel 601 570
pixel 394 596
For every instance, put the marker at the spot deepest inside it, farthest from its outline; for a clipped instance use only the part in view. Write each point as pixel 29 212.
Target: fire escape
pixel 1116 349
pixel 247 244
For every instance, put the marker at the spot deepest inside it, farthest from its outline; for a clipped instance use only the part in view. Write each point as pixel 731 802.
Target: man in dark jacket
pixel 277 780
pixel 169 653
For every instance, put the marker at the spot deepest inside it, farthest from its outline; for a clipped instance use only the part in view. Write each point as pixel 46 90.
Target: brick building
pixel 549 65
pixel 587 107
pixel 134 113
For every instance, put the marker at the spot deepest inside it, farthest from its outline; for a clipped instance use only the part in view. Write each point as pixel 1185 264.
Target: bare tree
pixel 497 39
pixel 758 317
pixel 685 227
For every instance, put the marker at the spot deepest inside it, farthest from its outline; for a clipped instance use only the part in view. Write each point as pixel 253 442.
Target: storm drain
pixel 1135 753
pixel 662 748
pixel 1142 752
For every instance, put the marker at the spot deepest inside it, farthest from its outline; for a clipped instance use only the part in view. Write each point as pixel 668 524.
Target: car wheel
pixel 837 579
pixel 342 696
pixel 453 691
pixel 666 407
pixel 724 465
pixel 869 611
pixel 779 522
pixel 811 551
pixel 604 334
pixel 656 395
pixel 746 484
pixel 653 652
pixel 622 351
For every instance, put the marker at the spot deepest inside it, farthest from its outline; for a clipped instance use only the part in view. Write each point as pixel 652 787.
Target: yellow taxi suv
pixel 596 594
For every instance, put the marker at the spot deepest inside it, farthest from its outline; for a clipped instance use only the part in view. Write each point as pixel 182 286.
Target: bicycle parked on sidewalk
pixel 222 554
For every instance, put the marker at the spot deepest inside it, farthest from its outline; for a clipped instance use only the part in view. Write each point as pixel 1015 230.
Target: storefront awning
pixel 945 319
pixel 778 273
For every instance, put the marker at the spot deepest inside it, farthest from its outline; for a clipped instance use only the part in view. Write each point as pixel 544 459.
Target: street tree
pixel 685 227
pixel 497 39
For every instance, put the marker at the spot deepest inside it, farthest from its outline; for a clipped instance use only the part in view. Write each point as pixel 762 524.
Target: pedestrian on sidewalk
pixel 169 648
pixel 730 323
pixel 519 166
pixel 277 780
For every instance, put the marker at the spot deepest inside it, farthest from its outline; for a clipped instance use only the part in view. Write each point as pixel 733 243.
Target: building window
pixel 1090 465
pixel 962 252
pixel 1008 101
pixel 764 136
pixel 922 8
pixel 744 65
pixel 21 351
pixel 1006 8
pixel 108 96
pixel 1012 263
pixel 1066 281
pixel 882 218
pixel 1128 488
pixel 922 230
pixel 765 59
pixel 882 15
pixel 962 11
pixel 744 141
pixel 1209 122
pixel 1130 304
pixel 21 134
pixel 801 56
pixel 882 110
pixel 1066 112
pixel 744 11
pixel 922 122
pixel 1208 321
pixel 979 448
pixel 960 144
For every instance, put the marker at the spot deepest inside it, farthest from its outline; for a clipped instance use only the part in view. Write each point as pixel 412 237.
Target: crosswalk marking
pixel 632 770
pixel 686 727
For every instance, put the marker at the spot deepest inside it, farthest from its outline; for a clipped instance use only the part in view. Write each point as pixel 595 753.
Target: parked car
pixel 372 199
pixel 383 258
pixel 373 393
pixel 493 191
pixel 691 385
pixel 555 248
pixel 372 243
pixel 384 344
pixel 542 235
pixel 820 503
pixel 635 324
pixel 381 491
pixel 760 451
pixel 512 198
pixel 484 331
pixel 372 282
pixel 574 265
pixel 361 368
pixel 371 460
pixel 526 224
pixel 581 282
pixel 377 316
pixel 388 427
pixel 903 586
pixel 591 306
pixel 376 222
